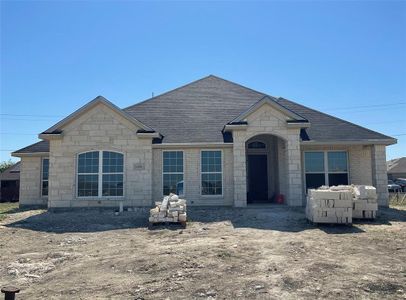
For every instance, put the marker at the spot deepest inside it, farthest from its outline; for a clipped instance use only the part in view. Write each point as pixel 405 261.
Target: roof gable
pixel 271 101
pixel 58 127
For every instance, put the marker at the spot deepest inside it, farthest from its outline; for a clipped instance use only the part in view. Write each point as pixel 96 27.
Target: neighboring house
pixel 10 183
pixel 212 141
pixel 396 168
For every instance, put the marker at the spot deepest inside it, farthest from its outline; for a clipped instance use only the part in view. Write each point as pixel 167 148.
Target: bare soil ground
pixel 222 254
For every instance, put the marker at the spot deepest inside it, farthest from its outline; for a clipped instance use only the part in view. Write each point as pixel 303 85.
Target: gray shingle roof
pixel 325 127
pixel 198 111
pixel 41 146
pixel 397 165
pixel 11 173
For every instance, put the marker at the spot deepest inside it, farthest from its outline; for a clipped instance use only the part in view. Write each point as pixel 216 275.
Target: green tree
pixel 5 164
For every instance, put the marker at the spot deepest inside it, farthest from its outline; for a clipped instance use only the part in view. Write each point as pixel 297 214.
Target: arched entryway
pixel 266 168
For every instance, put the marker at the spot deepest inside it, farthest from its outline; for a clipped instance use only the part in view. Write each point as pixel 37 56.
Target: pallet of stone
pixel 170 210
pixel 365 202
pixel 329 206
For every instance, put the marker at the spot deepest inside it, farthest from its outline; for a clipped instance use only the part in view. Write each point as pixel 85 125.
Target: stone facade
pixel 266 120
pixel 30 182
pixel 192 177
pixel 359 161
pixel 100 129
pixel 379 173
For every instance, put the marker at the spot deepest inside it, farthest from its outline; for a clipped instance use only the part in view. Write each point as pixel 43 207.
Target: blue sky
pixel 344 58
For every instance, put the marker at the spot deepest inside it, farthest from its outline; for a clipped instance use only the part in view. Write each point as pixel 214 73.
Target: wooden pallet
pixel 155 224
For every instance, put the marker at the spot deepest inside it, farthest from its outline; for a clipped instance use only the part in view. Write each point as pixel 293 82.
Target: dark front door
pixel 257 178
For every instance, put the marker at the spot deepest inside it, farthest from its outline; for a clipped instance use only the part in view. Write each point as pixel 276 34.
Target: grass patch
pixel 7 208
pixel 224 254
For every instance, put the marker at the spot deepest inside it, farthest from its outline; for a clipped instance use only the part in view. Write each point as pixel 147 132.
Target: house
pixel 213 141
pixel 10 183
pixel 396 168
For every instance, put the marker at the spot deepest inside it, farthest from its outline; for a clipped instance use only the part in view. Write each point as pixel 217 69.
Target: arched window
pixel 100 174
pixel 256 145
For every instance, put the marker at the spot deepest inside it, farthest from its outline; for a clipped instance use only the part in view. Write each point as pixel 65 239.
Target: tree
pixel 5 164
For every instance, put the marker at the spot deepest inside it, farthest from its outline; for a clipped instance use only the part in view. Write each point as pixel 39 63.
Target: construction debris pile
pixel 171 209
pixel 340 204
pixel 365 202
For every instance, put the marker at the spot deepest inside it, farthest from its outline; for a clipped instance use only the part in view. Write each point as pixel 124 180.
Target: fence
pixel 397 199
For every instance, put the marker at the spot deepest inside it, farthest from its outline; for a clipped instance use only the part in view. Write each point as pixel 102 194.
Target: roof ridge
pixel 342 120
pixel 195 81
pixel 240 85
pixel 167 92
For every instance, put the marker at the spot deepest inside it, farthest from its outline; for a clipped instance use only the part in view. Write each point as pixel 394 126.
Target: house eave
pixel 298 124
pixel 231 127
pixel 29 154
pixel 386 142
pixel 191 145
pixel 151 135
pixel 50 136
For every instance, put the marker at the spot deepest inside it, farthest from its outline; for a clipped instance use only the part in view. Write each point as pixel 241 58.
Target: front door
pixel 257 179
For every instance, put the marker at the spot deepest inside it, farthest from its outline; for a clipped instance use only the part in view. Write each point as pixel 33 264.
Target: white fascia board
pixel 148 135
pixel 298 125
pixel 50 136
pixel 192 145
pixel 386 142
pixel 24 154
pixel 231 127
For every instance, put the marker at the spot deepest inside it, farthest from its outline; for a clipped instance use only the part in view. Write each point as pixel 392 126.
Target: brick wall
pixel 191 177
pixel 30 182
pixel 267 120
pixel 100 129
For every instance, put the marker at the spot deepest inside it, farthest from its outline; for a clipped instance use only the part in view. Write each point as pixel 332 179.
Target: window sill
pixel 101 198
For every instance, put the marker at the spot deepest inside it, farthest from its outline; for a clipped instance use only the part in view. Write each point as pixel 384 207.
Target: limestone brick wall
pixel 100 129
pixel 267 120
pixel 30 182
pixel 359 161
pixel 192 177
pixel 379 174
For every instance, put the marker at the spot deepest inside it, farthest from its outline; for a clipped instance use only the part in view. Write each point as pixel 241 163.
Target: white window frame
pixel 177 173
pixel 100 176
pixel 326 171
pixel 42 176
pixel 222 174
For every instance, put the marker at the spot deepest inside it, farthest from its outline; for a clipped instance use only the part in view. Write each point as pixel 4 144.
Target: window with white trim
pixel 100 174
pixel 211 172
pixel 44 176
pixel 326 168
pixel 172 172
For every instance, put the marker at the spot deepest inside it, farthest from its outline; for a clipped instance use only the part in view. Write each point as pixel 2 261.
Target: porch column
pixel 295 190
pixel 379 174
pixel 240 177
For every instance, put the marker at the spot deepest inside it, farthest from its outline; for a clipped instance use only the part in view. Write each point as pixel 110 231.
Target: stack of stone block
pixel 330 205
pixel 365 202
pixel 171 209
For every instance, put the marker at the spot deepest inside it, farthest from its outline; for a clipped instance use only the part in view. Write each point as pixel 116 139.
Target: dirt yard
pixel 222 254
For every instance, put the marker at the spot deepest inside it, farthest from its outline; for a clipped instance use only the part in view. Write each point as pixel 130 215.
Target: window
pixel 172 172
pixel 100 174
pixel 337 168
pixel 326 168
pixel 44 177
pixel 256 145
pixel 211 173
